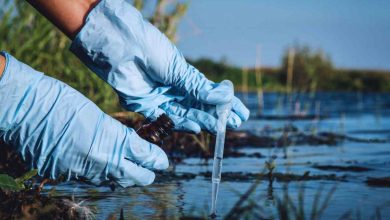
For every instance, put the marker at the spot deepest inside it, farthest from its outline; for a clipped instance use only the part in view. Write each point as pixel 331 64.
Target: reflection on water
pixel 363 116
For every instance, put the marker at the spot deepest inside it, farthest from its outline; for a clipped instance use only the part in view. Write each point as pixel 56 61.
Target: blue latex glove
pixel 148 72
pixel 59 131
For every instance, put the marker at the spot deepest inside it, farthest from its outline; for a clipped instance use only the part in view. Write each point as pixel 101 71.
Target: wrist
pixel 69 16
pixel 2 64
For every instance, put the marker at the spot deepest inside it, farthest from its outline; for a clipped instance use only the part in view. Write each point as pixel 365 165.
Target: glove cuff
pixel 16 71
pixel 101 48
pixel 134 57
pixel 16 82
pixel 111 44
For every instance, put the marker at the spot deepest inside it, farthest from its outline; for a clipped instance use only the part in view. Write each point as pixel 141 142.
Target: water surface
pixel 365 116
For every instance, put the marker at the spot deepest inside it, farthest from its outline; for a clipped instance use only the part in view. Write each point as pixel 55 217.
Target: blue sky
pixel 354 33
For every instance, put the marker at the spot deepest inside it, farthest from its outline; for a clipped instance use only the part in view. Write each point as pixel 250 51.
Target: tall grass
pixel 31 38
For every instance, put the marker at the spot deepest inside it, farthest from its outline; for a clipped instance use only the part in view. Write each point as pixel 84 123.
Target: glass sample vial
pixel 157 130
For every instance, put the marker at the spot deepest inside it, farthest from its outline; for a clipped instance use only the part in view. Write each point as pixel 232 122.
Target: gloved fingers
pixel 145 154
pixel 239 108
pixel 223 93
pixel 192 123
pixel 234 121
pixel 129 173
pixel 220 93
pixel 203 119
pixel 184 124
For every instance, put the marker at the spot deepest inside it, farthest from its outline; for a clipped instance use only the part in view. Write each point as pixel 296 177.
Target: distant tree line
pixel 32 39
pixel 311 71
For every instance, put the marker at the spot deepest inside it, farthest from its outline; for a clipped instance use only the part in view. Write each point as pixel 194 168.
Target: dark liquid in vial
pixel 157 130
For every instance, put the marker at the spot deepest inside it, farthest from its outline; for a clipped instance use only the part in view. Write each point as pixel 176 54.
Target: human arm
pixel 147 71
pixel 68 16
pixel 2 65
pixel 60 132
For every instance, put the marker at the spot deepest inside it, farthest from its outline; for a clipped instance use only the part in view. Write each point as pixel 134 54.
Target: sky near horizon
pixel 354 33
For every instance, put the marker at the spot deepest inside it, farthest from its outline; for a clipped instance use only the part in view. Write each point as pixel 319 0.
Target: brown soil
pixel 30 204
pixel 182 145
pixel 11 162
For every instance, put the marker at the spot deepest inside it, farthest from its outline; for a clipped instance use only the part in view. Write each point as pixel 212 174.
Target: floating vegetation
pixel 342 168
pixel 378 181
pixel 164 176
pixel 180 145
pixel 291 117
pixel 280 177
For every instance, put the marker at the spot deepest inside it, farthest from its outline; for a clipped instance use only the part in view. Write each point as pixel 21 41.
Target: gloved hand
pixel 148 72
pixel 59 131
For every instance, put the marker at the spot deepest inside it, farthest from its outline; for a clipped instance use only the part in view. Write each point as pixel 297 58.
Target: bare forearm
pixel 67 15
pixel 2 65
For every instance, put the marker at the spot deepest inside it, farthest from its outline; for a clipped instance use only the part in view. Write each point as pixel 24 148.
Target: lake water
pixel 365 116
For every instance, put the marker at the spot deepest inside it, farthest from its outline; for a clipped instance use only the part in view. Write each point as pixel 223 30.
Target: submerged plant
pixel 270 165
pixel 79 211
pixel 287 209
pixel 246 206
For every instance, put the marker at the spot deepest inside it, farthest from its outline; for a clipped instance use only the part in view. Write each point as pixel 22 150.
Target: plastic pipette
pixel 223 113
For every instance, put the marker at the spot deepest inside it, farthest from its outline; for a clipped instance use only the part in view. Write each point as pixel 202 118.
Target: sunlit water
pixel 365 116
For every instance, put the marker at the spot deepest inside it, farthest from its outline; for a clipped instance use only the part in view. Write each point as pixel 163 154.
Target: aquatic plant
pixel 288 209
pixel 357 214
pixel 76 210
pixel 246 206
pixel 270 165
pixel 203 139
pixel 9 183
